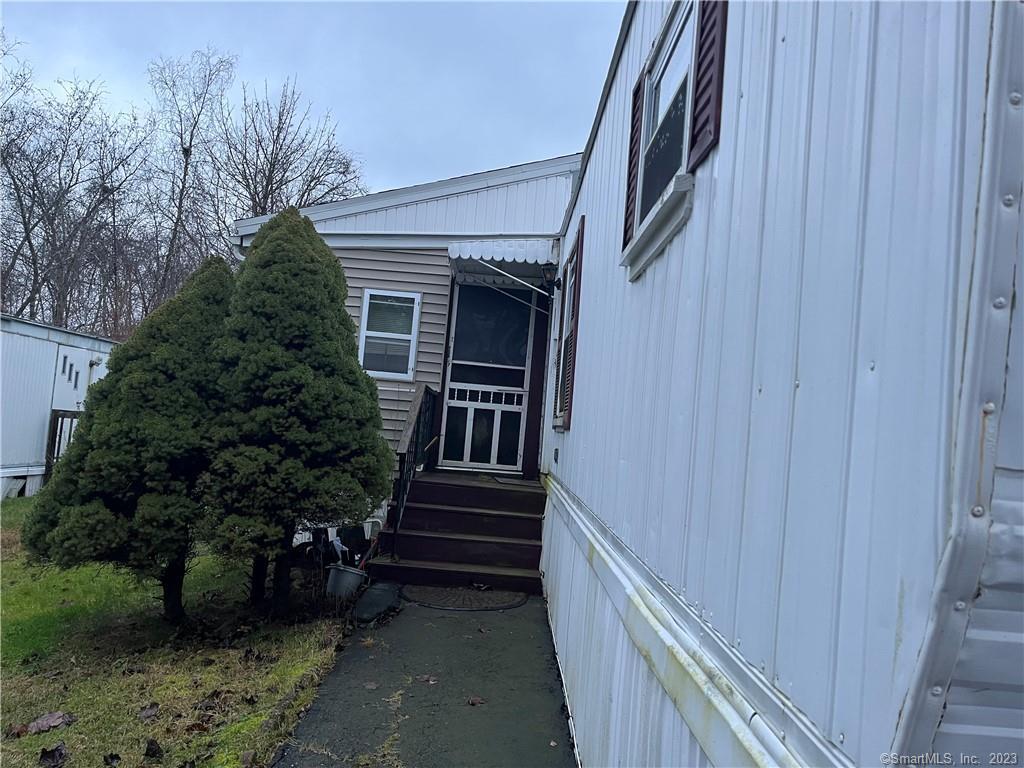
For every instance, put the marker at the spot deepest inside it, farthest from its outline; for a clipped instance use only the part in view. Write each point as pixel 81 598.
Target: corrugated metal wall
pixel 762 417
pixel 426 273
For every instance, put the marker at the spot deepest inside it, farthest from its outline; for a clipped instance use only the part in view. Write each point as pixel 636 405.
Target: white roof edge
pixel 411 240
pixel 40 330
pixel 555 166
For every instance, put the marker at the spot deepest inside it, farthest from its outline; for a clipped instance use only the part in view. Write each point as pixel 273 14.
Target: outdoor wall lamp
pixel 549 273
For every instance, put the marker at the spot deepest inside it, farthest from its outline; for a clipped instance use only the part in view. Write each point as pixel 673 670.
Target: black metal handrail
pixel 417 449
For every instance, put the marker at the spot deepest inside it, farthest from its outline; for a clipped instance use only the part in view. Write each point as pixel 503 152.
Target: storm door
pixel 486 382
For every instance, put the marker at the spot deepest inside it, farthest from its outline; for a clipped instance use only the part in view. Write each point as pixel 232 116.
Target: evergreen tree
pixel 125 492
pixel 300 441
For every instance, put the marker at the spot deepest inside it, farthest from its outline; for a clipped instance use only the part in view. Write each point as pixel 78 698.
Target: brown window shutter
pixel 573 332
pixel 559 396
pixel 706 114
pixel 636 124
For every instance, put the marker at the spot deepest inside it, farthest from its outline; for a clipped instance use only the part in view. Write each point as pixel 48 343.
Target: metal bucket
pixel 342 581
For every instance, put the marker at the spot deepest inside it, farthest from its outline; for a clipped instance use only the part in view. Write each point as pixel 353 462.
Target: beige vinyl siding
pixel 423 272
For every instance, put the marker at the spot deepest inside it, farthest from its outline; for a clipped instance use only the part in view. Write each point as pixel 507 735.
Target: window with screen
pixel 674 123
pixel 387 333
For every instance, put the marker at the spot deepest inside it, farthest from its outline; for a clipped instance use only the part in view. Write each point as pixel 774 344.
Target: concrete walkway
pixel 399 695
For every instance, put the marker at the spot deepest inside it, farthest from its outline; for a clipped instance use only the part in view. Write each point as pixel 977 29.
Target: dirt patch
pixel 10 543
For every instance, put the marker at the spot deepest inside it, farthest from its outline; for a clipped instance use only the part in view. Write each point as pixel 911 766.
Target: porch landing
pixel 378 707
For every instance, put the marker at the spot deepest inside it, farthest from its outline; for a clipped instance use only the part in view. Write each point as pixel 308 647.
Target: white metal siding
pixel 422 272
pixel 622 715
pixel 71 381
pixel 31 385
pixel 763 416
pixel 27 365
pixel 535 206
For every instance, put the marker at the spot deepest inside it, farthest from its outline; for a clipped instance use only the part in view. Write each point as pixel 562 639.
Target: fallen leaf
pixel 149 711
pixel 112 760
pixel 428 679
pixel 475 701
pixel 54 757
pixel 371 686
pixel 48 722
pixel 153 749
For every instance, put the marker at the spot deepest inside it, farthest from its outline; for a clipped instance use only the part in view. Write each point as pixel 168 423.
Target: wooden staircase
pixel 461 529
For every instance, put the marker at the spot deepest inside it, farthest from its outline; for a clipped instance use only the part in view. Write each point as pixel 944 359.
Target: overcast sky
pixel 420 91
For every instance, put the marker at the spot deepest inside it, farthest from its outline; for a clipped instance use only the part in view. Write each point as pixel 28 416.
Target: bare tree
pixel 188 94
pixel 272 153
pixel 57 172
pixel 104 216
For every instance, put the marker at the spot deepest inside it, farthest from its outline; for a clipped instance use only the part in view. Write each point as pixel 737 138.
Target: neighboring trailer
pixel 43 370
pixel 785 520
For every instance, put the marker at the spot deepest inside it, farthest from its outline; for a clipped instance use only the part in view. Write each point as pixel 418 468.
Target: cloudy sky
pixel 420 91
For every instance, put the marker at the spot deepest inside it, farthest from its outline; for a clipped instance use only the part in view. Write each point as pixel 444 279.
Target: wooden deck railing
pixel 417 448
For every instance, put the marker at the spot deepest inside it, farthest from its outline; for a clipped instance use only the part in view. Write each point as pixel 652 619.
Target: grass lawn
pixel 90 642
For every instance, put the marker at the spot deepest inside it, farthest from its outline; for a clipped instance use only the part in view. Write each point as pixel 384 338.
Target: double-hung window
pixel 387 333
pixel 667 95
pixel 674 124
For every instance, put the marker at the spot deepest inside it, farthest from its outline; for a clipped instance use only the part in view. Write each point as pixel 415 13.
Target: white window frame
pixel 673 207
pixel 413 338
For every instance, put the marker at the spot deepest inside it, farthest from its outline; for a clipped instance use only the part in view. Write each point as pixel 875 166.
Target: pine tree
pixel 300 442
pixel 125 492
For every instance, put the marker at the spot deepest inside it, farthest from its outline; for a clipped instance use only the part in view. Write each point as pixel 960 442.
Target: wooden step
pixel 464 548
pixel 454 574
pixel 443 518
pixel 450 489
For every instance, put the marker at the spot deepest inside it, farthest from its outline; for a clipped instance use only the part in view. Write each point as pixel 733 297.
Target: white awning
pixel 514 251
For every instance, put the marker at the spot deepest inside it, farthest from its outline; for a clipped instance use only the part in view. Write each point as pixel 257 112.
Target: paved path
pixel 397 697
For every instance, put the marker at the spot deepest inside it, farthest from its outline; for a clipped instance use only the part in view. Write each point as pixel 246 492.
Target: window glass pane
pixel 480 442
pixel 672 75
pixel 508 437
pixel 390 314
pixel 387 355
pixel 455 433
pixel 664 156
pixel 494 377
pixel 491 326
pixel 570 289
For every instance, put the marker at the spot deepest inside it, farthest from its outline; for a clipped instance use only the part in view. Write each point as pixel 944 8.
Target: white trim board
pixel 725 702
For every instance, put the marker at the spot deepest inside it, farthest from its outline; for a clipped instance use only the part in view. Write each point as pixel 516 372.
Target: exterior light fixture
pixel 549 273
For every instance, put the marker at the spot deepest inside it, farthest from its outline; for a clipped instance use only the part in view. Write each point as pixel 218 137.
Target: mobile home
pixel 44 373
pixel 784 521
pixel 764 335
pixel 449 285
